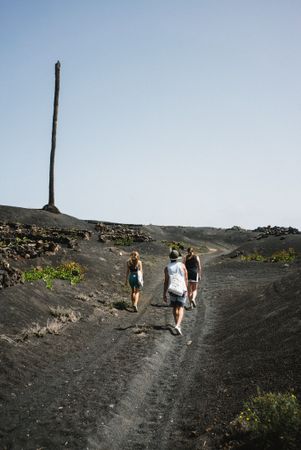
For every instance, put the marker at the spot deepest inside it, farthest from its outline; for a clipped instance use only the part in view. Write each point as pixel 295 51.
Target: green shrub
pixel 254 257
pixel 126 241
pixel 174 245
pixel 69 271
pixel 285 256
pixel 271 421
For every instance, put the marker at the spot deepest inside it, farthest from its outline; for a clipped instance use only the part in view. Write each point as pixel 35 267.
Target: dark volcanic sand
pixel 120 380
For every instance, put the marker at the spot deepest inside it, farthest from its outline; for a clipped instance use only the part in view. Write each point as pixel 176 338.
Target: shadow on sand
pixel 138 329
pixel 161 305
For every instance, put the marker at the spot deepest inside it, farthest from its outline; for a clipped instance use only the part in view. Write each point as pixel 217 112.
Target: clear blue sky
pixel 171 112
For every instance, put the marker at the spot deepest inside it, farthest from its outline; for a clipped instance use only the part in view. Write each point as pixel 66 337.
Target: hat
pixel 173 255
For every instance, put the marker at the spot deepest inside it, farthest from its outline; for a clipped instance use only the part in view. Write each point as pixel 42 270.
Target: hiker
pixel 134 276
pixel 175 283
pixel 193 266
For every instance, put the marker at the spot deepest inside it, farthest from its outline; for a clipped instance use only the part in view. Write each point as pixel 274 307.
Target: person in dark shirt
pixel 194 270
pixel 133 267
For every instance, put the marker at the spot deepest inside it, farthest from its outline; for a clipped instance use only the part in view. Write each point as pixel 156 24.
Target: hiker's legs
pixel 136 298
pixel 190 286
pixel 194 291
pixel 178 314
pixel 133 296
pixel 174 311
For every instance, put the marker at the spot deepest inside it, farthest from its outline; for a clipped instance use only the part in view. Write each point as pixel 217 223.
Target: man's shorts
pixel 177 300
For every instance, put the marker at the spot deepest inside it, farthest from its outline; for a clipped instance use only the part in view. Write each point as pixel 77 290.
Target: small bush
pixel 69 271
pixel 284 256
pixel 53 326
pixel 254 257
pixel 173 245
pixel 271 421
pixel 34 330
pixel 126 241
pixel 64 314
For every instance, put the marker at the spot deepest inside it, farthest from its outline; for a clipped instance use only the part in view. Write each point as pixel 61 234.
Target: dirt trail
pixel 118 392
pixel 134 385
pixel 116 380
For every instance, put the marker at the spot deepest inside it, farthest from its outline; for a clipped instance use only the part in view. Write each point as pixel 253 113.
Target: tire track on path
pixel 177 388
pixel 149 413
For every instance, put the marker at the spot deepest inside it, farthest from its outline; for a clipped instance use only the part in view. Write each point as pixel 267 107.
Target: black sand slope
pixel 111 379
pixel 38 217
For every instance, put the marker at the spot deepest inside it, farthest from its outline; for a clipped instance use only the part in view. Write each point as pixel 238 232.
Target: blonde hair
pixel 134 259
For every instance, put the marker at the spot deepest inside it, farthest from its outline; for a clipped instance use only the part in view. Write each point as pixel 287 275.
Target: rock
pixel 29 241
pixel 9 276
pixel 124 234
pixel 275 231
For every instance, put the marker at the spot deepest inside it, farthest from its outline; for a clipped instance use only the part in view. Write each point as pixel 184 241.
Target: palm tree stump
pixel 51 205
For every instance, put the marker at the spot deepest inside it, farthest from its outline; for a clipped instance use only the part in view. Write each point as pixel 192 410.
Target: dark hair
pixel 173 255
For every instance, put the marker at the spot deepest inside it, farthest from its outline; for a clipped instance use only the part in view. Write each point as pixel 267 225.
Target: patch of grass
pixel 22 240
pixel 181 246
pixel 17 241
pixel 70 271
pixel 174 245
pixel 270 421
pixel 285 256
pixel 64 314
pixel 53 326
pixel 126 241
pixel 254 257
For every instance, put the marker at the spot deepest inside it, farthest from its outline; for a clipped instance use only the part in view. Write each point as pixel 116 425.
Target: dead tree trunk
pixel 51 204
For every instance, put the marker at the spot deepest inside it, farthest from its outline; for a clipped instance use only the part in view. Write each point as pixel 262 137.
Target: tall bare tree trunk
pixel 51 204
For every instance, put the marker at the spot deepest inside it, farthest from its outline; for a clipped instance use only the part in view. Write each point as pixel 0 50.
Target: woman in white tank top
pixel 175 283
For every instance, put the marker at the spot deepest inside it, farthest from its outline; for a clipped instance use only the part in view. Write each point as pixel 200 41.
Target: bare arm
pixel 166 279
pixel 185 276
pixel 199 266
pixel 140 266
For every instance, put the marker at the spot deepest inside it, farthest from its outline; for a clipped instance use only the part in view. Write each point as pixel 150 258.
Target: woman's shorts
pixel 193 276
pixel 177 300
pixel 133 280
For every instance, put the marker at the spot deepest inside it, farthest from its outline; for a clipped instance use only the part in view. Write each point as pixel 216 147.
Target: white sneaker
pixel 178 330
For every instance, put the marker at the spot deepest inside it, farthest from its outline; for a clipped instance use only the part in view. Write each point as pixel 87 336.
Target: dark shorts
pixel 177 300
pixel 133 280
pixel 193 276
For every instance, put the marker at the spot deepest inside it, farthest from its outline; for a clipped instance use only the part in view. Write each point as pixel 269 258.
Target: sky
pixel 171 112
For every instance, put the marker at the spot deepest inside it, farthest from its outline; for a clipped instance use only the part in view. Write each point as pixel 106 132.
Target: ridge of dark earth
pixel 118 380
